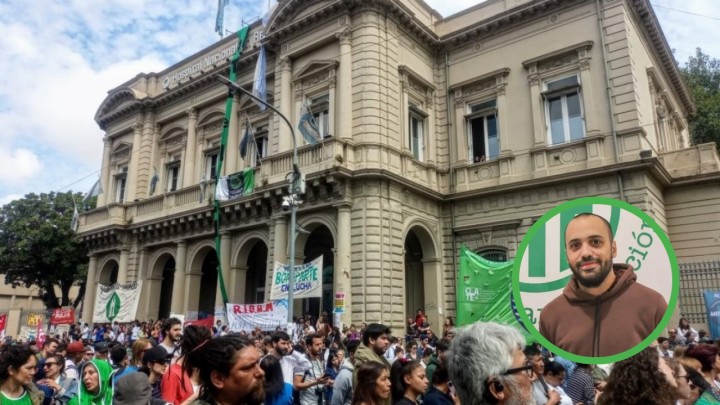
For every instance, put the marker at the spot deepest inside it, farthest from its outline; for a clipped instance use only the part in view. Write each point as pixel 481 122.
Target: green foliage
pixel 37 246
pixel 702 74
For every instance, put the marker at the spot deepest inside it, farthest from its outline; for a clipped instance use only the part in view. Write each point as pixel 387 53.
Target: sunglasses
pixel 49 364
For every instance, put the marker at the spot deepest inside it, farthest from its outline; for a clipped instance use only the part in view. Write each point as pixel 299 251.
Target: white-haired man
pixel 487 366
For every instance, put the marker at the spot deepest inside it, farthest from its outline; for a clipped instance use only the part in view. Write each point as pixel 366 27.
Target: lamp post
pixel 294 188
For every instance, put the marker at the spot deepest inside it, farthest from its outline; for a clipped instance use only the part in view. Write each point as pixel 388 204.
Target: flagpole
pixel 294 188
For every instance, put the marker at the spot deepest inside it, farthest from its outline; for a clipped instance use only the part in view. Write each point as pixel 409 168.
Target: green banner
pixel 484 292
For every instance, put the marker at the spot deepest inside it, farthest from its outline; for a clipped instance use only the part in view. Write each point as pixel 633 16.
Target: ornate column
pixel 225 253
pixel 536 100
pixel 588 96
pixel 233 144
pixel 342 265
pixel 90 290
pixel 343 125
pixel 286 98
pixel 177 305
pixel 123 266
pixel 155 139
pixel 132 177
pixel 102 198
pixel 144 157
pixel 431 133
pixel 188 163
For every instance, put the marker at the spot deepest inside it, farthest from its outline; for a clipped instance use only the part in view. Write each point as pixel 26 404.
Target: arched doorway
pixel 320 242
pixel 414 276
pixel 423 275
pixel 109 273
pixel 208 285
pixel 256 273
pixel 166 288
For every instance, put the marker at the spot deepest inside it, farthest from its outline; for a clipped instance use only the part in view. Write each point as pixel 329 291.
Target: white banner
pixel 117 302
pixel 246 317
pixel 308 280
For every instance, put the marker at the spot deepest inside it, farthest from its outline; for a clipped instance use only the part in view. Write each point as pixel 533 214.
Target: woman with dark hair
pixel 229 367
pixel 408 382
pixel 332 368
pixel 155 363
pixel 63 388
pixel 277 391
pixel 448 326
pixel 181 383
pixel 685 393
pixel 639 380
pixel 686 333
pixel 17 369
pixel 707 356
pixel 373 384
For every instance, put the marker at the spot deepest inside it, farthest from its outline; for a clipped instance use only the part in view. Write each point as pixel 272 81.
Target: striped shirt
pixel 580 387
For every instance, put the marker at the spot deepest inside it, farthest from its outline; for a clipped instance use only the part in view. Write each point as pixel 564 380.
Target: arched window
pixel 494 254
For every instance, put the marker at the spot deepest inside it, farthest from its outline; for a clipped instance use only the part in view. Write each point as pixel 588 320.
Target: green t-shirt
pixel 23 399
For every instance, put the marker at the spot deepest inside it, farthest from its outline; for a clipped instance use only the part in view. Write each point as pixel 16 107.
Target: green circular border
pixel 673 292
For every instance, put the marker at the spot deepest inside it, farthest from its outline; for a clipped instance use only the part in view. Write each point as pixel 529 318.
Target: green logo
pixel 112 308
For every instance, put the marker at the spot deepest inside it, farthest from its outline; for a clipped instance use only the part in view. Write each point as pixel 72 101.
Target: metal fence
pixel 694 279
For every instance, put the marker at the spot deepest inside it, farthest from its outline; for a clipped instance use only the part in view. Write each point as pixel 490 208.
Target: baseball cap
pixel 75 347
pixel 155 355
pixel 131 389
pixel 101 347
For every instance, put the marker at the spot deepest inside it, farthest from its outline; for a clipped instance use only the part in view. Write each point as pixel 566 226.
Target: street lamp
pixel 294 188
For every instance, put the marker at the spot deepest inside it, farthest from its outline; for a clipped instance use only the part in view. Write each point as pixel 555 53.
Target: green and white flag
pixel 117 302
pixel 236 185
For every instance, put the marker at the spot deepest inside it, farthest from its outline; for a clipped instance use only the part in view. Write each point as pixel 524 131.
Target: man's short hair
pixel 531 351
pixel 478 352
pixel 590 214
pixel 373 331
pixel 662 339
pixel 169 323
pixel 352 346
pixel 118 354
pixel 442 345
pixel 278 336
pixel 440 376
pixel 47 342
pixel 309 338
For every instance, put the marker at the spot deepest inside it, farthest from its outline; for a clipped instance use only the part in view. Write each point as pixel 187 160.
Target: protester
pixel 373 384
pixel 63 387
pixel 49 347
pixel 101 351
pixel 17 369
pixel 580 386
pixel 120 361
pixel 448 326
pixel 180 383
pixel 139 348
pixel 229 367
pixel 96 386
pixel 343 386
pixel 291 362
pixel 408 382
pixel 664 347
pixel 541 392
pixel 439 392
pixel 709 360
pixel 686 334
pixel 277 391
pixel 411 351
pixel 332 368
pixel 312 384
pixel 374 343
pixel 684 392
pixel 155 363
pixel 487 365
pixel 75 352
pixel 639 379
pixel 554 375
pixel 134 389
pixel 436 359
pixel 172 330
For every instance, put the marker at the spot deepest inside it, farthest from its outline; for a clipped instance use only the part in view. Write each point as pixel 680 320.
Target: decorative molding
pixel 580 50
pixel 493 82
pixel 344 36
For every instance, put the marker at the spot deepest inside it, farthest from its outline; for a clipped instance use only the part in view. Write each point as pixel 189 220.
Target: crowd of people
pixel 484 363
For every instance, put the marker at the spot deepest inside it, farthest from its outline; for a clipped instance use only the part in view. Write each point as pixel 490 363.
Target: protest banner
pixel 712 306
pixel 62 316
pixel 308 280
pixel 267 316
pixel 117 302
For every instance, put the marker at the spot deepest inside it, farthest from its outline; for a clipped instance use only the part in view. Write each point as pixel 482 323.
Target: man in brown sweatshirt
pixel 602 311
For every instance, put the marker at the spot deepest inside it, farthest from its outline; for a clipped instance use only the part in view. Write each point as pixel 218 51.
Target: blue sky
pixel 58 59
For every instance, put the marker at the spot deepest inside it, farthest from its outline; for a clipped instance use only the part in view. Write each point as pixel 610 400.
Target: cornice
pixel 664 52
pixel 585 45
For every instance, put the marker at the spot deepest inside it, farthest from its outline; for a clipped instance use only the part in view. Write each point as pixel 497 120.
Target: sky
pixel 59 58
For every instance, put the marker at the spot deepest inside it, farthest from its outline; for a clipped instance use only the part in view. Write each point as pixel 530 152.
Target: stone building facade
pixel 437 132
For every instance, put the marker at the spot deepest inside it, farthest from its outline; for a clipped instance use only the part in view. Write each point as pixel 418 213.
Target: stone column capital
pixel 192 113
pixel 344 36
pixel 285 64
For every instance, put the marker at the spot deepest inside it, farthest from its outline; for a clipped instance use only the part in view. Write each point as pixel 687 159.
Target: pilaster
pixel 188 163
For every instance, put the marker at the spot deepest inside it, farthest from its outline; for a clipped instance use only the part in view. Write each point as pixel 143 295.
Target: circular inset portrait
pixel 595 280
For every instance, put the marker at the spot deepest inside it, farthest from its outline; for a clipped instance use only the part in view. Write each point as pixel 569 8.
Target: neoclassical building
pixel 436 131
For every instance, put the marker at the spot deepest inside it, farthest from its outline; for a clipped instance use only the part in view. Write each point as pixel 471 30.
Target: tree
pixel 702 74
pixel 37 246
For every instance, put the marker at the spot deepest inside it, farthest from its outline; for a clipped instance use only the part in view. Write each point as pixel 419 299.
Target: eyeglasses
pixel 527 368
pixel 49 364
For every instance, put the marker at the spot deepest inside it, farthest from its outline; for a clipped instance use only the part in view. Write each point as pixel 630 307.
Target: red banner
pixel 3 322
pixel 208 322
pixel 63 316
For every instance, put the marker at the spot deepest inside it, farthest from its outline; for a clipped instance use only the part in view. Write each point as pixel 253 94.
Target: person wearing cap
pixel 101 351
pixel 155 364
pixel 75 352
pixel 87 356
pixel 134 389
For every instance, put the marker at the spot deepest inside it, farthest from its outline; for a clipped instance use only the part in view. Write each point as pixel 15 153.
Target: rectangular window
pixel 320 107
pixel 564 110
pixel 417 136
pixel 120 183
pixel 261 141
pixel 173 175
pixel 211 161
pixel 482 127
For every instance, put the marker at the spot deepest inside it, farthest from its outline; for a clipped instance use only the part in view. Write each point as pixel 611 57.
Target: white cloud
pixel 18 165
pixel 10 197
